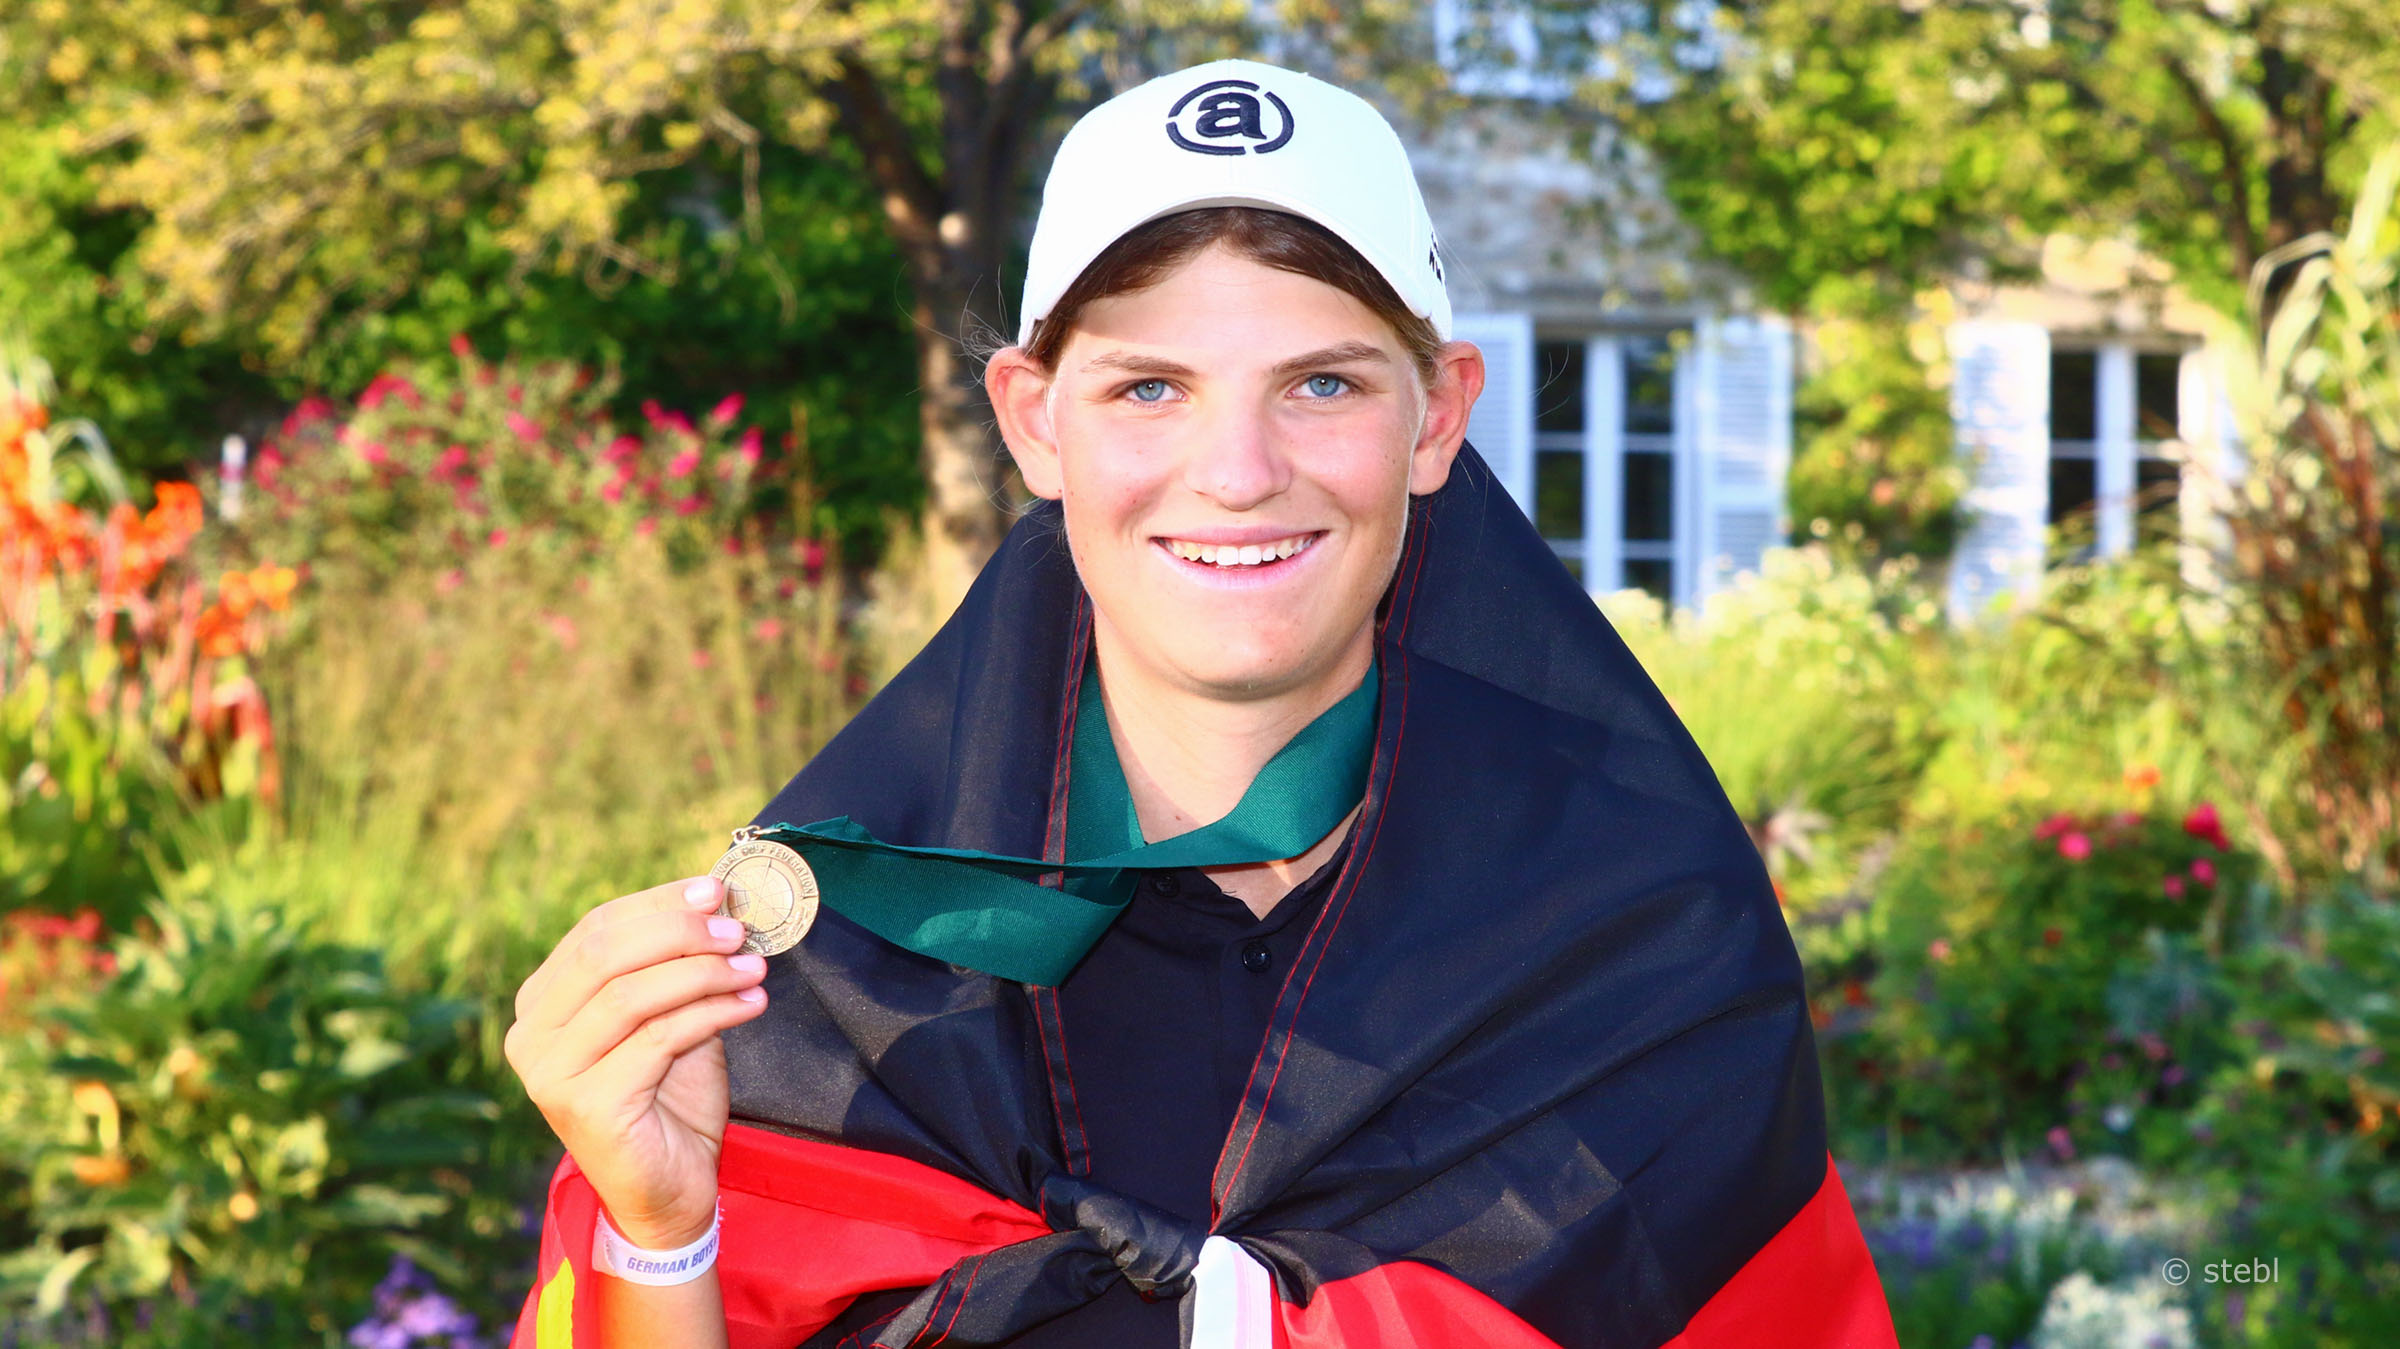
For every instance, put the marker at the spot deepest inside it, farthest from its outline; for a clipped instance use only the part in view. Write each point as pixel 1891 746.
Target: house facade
pixel 1641 411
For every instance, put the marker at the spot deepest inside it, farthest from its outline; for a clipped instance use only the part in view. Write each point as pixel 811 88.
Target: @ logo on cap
pixel 1225 117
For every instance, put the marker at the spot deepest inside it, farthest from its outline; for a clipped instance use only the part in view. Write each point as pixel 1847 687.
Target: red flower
pixel 2052 936
pixel 460 346
pixel 2075 846
pixel 691 505
pixel 2204 824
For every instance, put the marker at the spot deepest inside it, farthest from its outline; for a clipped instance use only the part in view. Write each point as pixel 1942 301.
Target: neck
pixel 1188 756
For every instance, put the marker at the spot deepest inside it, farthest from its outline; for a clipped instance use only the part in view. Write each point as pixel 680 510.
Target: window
pixel 2113 414
pixel 1649 448
pixel 1605 459
pixel 2074 443
pixel 1558 450
pixel 2157 480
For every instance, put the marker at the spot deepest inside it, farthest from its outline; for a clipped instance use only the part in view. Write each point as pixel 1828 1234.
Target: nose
pixel 1237 458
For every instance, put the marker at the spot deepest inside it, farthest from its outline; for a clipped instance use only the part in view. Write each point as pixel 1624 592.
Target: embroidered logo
pixel 1227 117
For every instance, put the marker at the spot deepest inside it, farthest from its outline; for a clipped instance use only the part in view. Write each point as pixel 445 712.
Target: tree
pixel 295 165
pixel 1844 153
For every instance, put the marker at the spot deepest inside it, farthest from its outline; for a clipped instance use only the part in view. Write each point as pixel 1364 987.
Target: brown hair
pixel 1144 256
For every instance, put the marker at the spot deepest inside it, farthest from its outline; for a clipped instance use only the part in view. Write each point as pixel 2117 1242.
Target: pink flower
pixel 2062 1143
pixel 2170 1075
pixel 523 428
pixel 768 631
pixel 2075 846
pixel 460 346
pixel 691 505
pixel 613 492
pixel 812 555
pixel 750 447
pixel 1939 949
pixel 701 660
pixel 2203 823
pixel 2204 871
pixel 622 450
pixel 2054 826
pixel 665 420
pixel 681 465
pixel 450 580
pixel 647 527
pixel 387 386
pixel 724 413
pixel 563 628
pixel 498 539
pixel 374 453
pixel 2174 887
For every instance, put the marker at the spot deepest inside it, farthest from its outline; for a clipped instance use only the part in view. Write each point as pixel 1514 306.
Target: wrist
pixel 635 1261
pixel 666 1231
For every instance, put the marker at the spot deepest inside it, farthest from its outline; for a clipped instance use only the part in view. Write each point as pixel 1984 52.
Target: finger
pixel 635 1067
pixel 610 953
pixel 691 894
pixel 622 1006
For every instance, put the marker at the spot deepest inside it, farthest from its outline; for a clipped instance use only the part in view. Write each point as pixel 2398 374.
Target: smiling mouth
pixel 1241 555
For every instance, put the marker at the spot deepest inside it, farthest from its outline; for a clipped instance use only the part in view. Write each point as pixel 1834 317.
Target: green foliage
pixel 2005 945
pixel 244 1109
pixel 1846 658
pixel 439 460
pixel 84 807
pixel 2315 560
pixel 2301 1128
pixel 1877 473
pixel 1846 154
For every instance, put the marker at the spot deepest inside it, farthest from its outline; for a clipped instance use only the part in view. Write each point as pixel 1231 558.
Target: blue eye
pixel 1325 386
pixel 1148 391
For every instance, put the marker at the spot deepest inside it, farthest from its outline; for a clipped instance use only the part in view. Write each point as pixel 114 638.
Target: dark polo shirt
pixel 1163 1020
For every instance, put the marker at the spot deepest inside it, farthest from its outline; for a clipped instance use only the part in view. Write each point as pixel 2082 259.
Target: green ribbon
pixel 989 911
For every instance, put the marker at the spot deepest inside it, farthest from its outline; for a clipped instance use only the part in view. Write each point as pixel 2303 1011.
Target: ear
pixel 1457 382
pixel 1019 390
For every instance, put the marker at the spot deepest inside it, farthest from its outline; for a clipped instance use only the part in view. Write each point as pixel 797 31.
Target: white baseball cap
pixel 1235 133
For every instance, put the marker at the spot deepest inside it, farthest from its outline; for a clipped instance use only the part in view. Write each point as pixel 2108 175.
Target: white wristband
pixel 612 1254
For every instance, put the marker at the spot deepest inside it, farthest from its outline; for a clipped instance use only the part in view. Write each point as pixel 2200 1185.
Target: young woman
pixel 1275 909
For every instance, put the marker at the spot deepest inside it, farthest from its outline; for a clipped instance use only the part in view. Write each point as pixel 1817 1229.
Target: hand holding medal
pixel 616 1041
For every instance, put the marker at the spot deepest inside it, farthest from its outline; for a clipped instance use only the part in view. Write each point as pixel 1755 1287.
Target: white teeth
pixel 1245 555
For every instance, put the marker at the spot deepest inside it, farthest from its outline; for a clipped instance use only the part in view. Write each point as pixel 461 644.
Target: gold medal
pixel 770 889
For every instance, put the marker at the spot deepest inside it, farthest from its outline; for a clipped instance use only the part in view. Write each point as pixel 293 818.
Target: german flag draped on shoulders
pixel 1542 1074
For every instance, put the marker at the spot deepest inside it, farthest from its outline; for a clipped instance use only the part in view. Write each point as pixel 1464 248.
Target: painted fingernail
pixel 721 928
pixel 746 963
pixel 752 994
pixel 701 892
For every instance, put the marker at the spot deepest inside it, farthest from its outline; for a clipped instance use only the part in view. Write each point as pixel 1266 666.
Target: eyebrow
pixel 1158 367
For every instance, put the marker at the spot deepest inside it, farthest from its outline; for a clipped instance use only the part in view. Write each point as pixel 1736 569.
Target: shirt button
pixel 1256 957
pixel 1165 883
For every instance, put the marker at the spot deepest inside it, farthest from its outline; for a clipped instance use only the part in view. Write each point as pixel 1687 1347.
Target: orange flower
pixel 219 632
pixel 273 585
pixel 2141 777
pixel 98 1171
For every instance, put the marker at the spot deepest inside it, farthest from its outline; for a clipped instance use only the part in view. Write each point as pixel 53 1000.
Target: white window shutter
pixel 2000 411
pixel 1744 437
pixel 1501 424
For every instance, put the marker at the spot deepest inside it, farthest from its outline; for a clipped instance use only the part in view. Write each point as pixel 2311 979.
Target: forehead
pixel 1221 308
